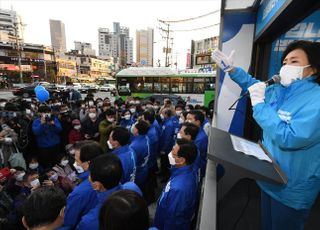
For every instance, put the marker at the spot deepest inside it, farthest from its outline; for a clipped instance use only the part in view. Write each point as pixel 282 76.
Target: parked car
pixel 28 91
pixel 123 91
pixel 107 87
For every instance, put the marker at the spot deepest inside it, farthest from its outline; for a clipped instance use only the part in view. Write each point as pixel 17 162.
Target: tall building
pixel 84 48
pixel 58 36
pixel 11 27
pixel 116 44
pixel 144 44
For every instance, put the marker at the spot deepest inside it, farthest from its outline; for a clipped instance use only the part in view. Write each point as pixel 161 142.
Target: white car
pixel 107 87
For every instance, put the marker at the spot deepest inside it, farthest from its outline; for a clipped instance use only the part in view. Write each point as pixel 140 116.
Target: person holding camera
pixel 46 128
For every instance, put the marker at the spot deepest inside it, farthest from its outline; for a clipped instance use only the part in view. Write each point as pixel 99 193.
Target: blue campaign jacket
pixel 176 206
pixel 128 161
pixel 79 202
pixel 201 142
pixel 91 220
pixel 141 146
pixel 127 123
pixel 167 136
pixel 176 125
pixel 158 127
pixel 290 119
pixel 46 135
pixel 154 145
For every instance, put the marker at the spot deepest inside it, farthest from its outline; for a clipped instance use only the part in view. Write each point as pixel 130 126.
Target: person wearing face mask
pixel 175 119
pixel 90 126
pixel 47 128
pixel 105 176
pixel 127 120
pixel 196 117
pixel 177 203
pixel 83 198
pixel 8 141
pixel 76 134
pixel 34 165
pixel 119 144
pixel 65 120
pixel 83 112
pixel 106 126
pixel 133 111
pixel 288 114
pixel 166 141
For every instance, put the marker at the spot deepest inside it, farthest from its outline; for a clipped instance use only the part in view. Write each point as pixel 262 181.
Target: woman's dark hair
pixel 121 135
pixel 124 210
pixel 312 50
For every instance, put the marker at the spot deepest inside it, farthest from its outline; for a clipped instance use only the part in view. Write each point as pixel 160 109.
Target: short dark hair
pixel 191 129
pixel 78 145
pixel 167 112
pixel 107 169
pixel 121 135
pixel 90 150
pixel 188 150
pixel 43 206
pixel 124 209
pixel 190 106
pixel 142 127
pixel 198 115
pixel 110 112
pixel 149 115
pixel 312 50
pixel 179 106
pixel 44 109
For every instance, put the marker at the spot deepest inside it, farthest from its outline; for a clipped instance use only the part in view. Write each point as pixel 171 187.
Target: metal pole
pixel 45 64
pixel 19 53
pixel 167 46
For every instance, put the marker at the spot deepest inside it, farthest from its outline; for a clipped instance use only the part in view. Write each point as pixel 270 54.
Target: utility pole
pixel 18 50
pixel 167 46
pixel 171 52
pixel 44 63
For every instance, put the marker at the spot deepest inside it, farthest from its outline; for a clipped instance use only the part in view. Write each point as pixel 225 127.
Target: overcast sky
pixel 83 18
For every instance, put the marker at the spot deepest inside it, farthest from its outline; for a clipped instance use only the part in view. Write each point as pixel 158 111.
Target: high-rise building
pixel 144 44
pixel 116 44
pixel 84 48
pixel 58 35
pixel 11 27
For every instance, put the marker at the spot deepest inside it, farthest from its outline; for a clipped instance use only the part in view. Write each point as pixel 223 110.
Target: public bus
pixel 193 86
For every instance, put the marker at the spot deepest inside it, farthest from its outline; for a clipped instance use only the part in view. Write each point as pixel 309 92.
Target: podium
pixel 238 165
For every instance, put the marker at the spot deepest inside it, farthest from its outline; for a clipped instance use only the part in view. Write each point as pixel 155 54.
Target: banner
pixel 237 34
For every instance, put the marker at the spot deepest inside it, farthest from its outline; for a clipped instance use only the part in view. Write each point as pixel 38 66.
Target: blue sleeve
pixel 57 126
pixel 166 138
pixel 302 130
pixel 72 213
pixel 133 187
pixel 243 79
pixel 37 127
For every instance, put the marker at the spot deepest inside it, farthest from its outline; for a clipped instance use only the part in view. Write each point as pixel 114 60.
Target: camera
pixel 49 117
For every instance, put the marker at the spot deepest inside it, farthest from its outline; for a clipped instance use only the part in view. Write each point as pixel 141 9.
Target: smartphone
pixel 43 178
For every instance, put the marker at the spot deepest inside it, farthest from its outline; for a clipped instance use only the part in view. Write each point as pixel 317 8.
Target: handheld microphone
pixel 274 80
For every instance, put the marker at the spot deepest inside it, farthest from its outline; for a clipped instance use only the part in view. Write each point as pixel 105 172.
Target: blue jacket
pixel 128 160
pixel 290 119
pixel 201 142
pixel 46 135
pixel 177 204
pixel 154 145
pixel 80 201
pixel 158 127
pixel 176 125
pixel 91 220
pixel 127 123
pixel 167 136
pixel 141 146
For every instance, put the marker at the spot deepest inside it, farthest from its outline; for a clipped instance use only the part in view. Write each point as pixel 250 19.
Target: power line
pixel 189 19
pixel 195 29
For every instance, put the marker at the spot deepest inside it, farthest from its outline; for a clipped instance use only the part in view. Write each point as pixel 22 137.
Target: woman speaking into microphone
pixel 289 115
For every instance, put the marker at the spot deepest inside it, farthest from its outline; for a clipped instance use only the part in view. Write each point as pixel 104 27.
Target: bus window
pixel 198 85
pixel 137 84
pixel 165 85
pixel 177 85
pixel 147 85
pixel 188 85
pixel 210 84
pixel 157 85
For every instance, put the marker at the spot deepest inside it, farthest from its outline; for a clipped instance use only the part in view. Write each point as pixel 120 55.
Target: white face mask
pixel 72 151
pixel 35 183
pixel 78 168
pixel 77 127
pixel 110 119
pixel 178 113
pixel 179 136
pixel 33 165
pixel 127 117
pixel 83 106
pixel 156 107
pixel 181 120
pixel 132 110
pixel 92 115
pixel 20 176
pixel 91 103
pixel 109 145
pixel 172 161
pixel 290 74
pixel 162 116
pixel 64 162
pixel 100 104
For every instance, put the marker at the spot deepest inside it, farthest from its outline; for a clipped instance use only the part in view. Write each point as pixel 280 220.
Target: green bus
pixel 194 87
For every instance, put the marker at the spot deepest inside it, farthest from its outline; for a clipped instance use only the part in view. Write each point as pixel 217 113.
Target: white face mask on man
pixel 109 145
pixel 291 73
pixel 172 161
